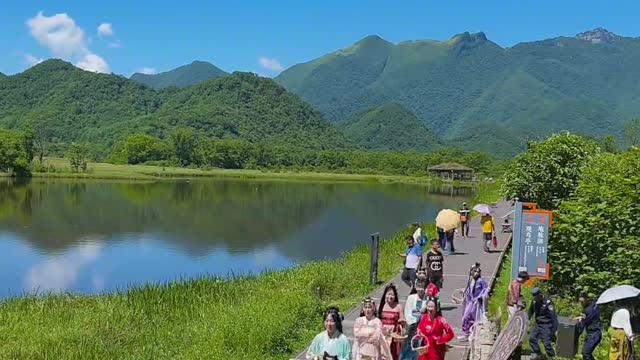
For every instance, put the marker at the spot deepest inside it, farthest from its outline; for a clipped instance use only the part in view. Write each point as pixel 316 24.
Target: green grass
pixel 60 169
pixel 270 316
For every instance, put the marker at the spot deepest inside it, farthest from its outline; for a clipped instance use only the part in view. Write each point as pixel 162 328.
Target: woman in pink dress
pixel 393 321
pixel 369 342
pixel 436 331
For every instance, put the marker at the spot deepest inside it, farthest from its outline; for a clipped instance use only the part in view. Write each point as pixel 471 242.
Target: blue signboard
pixel 530 242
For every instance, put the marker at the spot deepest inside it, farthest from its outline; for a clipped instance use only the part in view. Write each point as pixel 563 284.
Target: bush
pixel 594 244
pixel 548 172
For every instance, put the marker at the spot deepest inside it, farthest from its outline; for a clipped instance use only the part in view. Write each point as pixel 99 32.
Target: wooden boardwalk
pixel 456 271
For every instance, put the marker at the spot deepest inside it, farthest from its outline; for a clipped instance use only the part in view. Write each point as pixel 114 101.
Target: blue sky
pixel 237 35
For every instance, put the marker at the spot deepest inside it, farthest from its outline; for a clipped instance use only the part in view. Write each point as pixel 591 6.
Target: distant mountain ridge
pixel 389 127
pixel 71 104
pixel 586 84
pixel 186 75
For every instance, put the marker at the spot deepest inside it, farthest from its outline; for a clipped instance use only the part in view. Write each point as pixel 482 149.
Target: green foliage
pixel 549 171
pixel 77 155
pixel 65 104
pixel 184 144
pixel 15 151
pixel 535 88
pixel 602 221
pixel 140 148
pixel 632 132
pixel 192 74
pixel 389 127
pixel 609 144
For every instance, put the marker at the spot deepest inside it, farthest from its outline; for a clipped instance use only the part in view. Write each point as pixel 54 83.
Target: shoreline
pixel 106 171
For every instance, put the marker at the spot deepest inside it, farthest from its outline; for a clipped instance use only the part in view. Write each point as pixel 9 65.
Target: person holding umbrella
pixel 622 338
pixel 448 220
pixel 488 225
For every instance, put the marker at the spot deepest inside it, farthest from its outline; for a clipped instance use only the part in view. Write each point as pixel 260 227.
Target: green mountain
pixel 389 127
pixel 587 84
pixel 191 74
pixel 76 105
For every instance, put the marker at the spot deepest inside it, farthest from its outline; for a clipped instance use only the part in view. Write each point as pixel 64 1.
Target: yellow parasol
pixel 448 219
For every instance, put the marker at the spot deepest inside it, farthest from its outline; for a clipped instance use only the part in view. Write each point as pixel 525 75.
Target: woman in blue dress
pixel 330 344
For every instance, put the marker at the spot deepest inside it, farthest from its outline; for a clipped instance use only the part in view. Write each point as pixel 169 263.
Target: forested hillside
pixel 586 84
pixel 67 104
pixel 389 127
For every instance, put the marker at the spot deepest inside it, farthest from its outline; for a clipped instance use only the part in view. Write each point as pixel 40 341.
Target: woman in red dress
pixel 436 330
pixel 392 316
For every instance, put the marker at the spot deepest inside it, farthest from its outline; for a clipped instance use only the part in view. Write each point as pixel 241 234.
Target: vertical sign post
pixel 515 244
pixel 375 251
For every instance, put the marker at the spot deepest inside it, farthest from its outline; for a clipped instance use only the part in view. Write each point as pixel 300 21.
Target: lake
pixel 91 236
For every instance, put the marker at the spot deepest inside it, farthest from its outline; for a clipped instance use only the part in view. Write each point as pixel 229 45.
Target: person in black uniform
pixel 590 323
pixel 546 325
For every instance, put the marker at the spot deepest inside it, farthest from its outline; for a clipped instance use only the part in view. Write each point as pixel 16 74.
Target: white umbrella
pixel 618 293
pixel 483 209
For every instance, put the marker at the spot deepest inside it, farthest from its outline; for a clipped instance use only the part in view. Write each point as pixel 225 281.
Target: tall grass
pixel 59 168
pixel 270 316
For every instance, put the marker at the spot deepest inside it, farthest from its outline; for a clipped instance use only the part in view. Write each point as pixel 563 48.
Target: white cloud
pixel 147 70
pixel 114 44
pixel 270 64
pixel 64 39
pixel 59 273
pixel 93 62
pixel 32 60
pixel 105 29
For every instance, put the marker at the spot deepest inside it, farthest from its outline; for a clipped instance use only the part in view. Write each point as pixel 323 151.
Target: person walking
pixel 622 338
pixel 434 264
pixel 369 342
pixel 414 308
pixel 590 323
pixel 436 331
pixel 465 217
pixel 476 295
pixel 412 259
pixel 488 228
pixel 546 325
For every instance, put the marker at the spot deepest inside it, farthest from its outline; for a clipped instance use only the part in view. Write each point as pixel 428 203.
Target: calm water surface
pixel 95 236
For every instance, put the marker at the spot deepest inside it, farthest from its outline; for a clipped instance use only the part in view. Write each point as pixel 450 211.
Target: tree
pixel 548 172
pixel 28 142
pixel 610 144
pixel 42 138
pixel 139 148
pixel 184 145
pixel 77 155
pixel 632 132
pixel 594 243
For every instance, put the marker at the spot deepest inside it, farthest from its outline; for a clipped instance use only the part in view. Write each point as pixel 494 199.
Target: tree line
pixel 184 147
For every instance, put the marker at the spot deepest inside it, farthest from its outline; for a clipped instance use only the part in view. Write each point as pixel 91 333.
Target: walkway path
pixel 456 272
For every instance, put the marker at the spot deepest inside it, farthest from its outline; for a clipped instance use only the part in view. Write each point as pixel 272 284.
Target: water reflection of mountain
pixel 201 215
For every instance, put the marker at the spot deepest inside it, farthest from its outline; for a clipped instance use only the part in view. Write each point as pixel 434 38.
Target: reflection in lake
pixel 90 236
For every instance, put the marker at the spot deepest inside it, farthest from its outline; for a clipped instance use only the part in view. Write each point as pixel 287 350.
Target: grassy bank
pixel 59 168
pixel 270 316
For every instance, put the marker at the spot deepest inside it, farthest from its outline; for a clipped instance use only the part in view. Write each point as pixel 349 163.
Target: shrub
pixel 594 244
pixel 548 172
